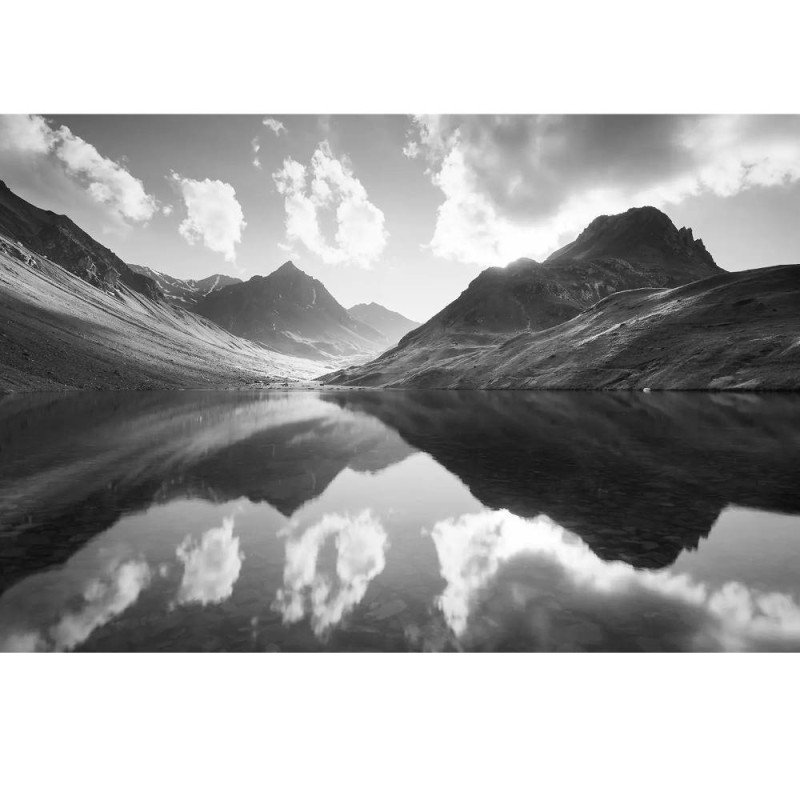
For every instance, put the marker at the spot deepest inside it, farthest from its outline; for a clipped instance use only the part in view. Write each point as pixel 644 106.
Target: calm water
pixel 356 520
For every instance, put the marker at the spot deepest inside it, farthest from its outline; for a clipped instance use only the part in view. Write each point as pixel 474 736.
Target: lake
pixel 399 521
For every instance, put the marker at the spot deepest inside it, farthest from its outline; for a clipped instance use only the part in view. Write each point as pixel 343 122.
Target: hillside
pixel 292 313
pixel 185 293
pixel 392 325
pixel 730 331
pixel 58 331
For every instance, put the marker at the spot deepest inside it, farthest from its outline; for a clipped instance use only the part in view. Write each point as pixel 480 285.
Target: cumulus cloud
pixel 30 147
pixel 328 184
pixel 534 581
pixel 274 125
pixel 522 185
pixel 211 566
pixel 308 590
pixel 255 145
pixel 213 215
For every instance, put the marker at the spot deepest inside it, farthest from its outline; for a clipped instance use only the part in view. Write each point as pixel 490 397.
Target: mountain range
pixel 185 293
pixel 632 303
pixel 75 315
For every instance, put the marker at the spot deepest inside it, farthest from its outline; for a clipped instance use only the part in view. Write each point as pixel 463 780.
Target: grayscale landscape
pixel 399 383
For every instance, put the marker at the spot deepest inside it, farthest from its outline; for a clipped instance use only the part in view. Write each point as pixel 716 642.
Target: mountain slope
pixel 97 324
pixel 185 293
pixel 731 331
pixel 59 239
pixel 293 313
pixel 392 325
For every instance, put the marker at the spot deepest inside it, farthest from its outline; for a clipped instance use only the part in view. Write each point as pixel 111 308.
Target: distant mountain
pixel 392 325
pixel 293 313
pixel 185 293
pixel 734 331
pixel 74 315
pixel 59 239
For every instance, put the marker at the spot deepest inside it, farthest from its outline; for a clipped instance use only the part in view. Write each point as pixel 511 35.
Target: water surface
pixel 367 520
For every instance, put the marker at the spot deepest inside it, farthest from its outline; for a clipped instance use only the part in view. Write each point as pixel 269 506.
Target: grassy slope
pixel 58 331
pixel 731 331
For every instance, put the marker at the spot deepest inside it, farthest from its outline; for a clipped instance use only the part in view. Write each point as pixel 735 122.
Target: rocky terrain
pixel 185 293
pixel 593 316
pixel 392 325
pixel 293 313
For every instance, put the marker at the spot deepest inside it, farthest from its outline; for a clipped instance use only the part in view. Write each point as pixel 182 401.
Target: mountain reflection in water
pixel 356 520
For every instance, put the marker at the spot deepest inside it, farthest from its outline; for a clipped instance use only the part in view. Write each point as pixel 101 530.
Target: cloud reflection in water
pixel 211 566
pixel 532 584
pixel 360 543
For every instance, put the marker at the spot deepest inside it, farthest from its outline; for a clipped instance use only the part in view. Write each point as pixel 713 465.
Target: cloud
pixel 213 215
pixel 211 566
pixel 328 184
pixel 276 127
pixel 255 145
pixel 360 542
pixel 534 582
pixel 102 600
pixel 32 151
pixel 522 185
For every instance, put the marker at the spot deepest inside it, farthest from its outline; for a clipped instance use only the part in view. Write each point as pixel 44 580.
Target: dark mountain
pixel 644 237
pixel 293 313
pixel 628 251
pixel 185 293
pixel 640 248
pixel 59 239
pixel 731 331
pixel 392 325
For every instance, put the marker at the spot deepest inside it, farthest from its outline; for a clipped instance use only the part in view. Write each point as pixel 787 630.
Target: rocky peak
pixel 634 235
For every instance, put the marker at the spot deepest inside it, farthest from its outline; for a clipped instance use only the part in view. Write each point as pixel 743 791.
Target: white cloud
pixel 558 581
pixel 213 215
pixel 329 184
pixel 211 566
pixel 256 146
pixel 274 125
pixel 523 185
pixel 360 543
pixel 37 148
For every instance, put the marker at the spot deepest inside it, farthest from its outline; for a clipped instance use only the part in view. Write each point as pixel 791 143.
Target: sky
pixel 401 210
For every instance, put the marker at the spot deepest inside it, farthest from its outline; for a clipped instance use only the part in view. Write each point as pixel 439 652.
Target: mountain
pixel 568 322
pixel 59 239
pixel 92 322
pixel 185 293
pixel 392 325
pixel 731 331
pixel 292 313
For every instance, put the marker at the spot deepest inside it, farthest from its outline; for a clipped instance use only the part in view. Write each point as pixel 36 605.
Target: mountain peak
pixel 288 268
pixel 638 235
